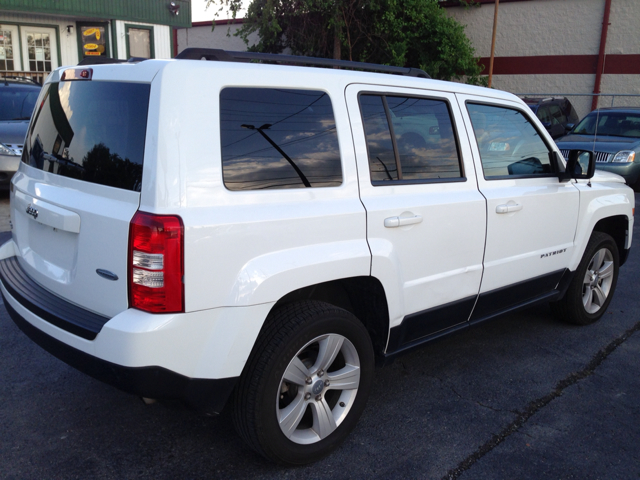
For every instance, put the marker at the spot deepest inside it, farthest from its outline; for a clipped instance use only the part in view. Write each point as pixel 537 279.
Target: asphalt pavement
pixel 522 396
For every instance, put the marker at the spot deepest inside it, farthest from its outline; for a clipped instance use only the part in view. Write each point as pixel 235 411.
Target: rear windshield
pixel 91 131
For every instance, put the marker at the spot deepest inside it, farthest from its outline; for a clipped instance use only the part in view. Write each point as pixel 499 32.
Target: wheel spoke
pixel 587 299
pixel 329 348
pixel 347 378
pixel 290 416
pixel 598 259
pixel 606 270
pixel 323 422
pixel 587 277
pixel 600 296
pixel 296 372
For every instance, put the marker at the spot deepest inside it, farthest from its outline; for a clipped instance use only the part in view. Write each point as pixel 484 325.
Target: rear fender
pixel 269 277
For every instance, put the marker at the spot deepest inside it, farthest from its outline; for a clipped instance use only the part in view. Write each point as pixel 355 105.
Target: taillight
pixel 156 263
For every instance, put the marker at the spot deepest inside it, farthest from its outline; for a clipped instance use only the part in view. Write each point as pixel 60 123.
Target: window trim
pixel 387 183
pixel 517 108
pixel 129 26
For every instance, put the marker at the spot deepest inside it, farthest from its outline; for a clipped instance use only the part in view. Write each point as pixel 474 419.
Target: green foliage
pixel 410 33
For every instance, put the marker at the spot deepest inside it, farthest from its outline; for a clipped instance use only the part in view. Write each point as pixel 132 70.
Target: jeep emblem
pixel 32 211
pixel 318 387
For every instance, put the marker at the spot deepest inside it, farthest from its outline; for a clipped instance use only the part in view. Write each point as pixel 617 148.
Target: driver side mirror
pixel 580 165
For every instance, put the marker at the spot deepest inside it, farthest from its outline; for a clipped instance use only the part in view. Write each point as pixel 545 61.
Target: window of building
pixel 409 139
pixel 93 39
pixel 6 50
pixel 39 51
pixel 508 143
pixel 278 138
pixel 139 41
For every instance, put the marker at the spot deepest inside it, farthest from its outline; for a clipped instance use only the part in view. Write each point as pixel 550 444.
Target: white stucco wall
pixel 537 27
pixel 221 37
pixel 624 29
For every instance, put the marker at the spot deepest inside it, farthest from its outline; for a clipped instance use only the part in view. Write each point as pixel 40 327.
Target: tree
pixel 409 33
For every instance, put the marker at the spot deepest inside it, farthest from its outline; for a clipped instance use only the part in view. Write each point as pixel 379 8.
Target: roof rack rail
pixel 229 56
pixel 25 79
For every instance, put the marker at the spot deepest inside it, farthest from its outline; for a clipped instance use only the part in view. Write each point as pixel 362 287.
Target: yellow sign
pixel 91 46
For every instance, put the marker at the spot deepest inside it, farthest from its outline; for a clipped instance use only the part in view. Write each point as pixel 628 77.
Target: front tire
pixel 593 285
pixel 306 383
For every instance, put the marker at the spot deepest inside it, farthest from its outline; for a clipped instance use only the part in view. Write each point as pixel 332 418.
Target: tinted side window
pixel 508 143
pixel 277 138
pixel 409 138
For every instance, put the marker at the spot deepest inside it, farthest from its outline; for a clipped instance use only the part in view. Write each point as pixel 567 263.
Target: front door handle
pixel 514 207
pixel 393 222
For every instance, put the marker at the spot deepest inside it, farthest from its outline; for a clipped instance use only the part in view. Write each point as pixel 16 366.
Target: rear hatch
pixel 79 185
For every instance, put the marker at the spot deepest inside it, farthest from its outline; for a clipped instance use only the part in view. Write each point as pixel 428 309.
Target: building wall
pixel 64 38
pixel 66 43
pixel 200 35
pixel 161 39
pixel 552 47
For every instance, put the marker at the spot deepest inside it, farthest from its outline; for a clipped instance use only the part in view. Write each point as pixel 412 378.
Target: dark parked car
pixel 614 135
pixel 556 114
pixel 17 98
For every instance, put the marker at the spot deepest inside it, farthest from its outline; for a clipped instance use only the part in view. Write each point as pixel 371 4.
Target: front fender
pixel 597 204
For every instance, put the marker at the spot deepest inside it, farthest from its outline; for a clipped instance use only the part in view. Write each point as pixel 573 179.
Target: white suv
pixel 207 230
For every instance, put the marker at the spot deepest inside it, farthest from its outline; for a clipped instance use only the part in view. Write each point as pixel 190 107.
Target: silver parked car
pixel 614 135
pixel 17 99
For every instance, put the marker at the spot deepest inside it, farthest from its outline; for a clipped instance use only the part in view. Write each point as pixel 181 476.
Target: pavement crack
pixel 536 405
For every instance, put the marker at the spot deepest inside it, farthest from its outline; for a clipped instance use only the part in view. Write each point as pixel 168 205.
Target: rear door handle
pixel 514 207
pixel 393 222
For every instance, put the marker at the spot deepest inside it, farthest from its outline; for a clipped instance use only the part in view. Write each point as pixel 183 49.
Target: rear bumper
pixel 196 357
pixel 206 395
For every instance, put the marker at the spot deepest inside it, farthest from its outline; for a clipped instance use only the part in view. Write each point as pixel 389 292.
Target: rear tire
pixel 306 383
pixel 593 285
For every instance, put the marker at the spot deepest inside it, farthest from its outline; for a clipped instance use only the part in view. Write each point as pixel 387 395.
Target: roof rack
pixel 228 56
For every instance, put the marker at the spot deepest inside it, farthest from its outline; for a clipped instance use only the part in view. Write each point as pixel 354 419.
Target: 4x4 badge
pixel 32 211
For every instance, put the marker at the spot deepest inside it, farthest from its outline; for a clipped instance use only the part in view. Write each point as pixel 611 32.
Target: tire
pixel 593 285
pixel 283 407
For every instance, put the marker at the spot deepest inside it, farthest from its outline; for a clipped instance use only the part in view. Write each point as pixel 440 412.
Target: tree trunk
pixel 337 54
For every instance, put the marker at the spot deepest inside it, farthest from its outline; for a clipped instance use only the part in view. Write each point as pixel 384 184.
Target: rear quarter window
pixel 276 138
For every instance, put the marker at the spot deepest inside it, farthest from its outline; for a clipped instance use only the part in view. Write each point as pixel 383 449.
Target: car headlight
pixel 625 156
pixel 4 150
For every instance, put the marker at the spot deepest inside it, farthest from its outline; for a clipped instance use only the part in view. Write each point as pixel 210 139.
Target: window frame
pixel 518 108
pixel 129 26
pixel 388 183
